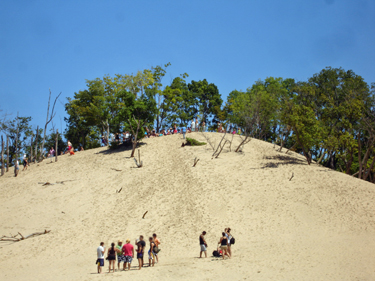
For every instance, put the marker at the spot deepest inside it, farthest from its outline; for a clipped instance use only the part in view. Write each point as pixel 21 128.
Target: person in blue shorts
pixel 183 130
pixel 100 261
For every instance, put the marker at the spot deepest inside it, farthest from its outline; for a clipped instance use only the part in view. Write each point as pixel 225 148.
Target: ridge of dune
pixel 318 226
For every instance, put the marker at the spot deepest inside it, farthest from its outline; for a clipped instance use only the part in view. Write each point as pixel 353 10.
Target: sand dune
pixel 318 226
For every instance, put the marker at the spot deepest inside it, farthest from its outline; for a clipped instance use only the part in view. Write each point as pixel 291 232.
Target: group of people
pixel 126 253
pixel 230 130
pixel 195 127
pixel 224 247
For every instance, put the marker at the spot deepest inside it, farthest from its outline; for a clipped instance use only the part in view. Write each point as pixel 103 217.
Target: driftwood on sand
pixel 116 170
pixel 195 161
pixel 49 183
pixel 18 237
pixel 144 215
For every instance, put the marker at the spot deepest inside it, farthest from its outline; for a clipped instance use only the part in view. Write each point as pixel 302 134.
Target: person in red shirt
pixel 128 251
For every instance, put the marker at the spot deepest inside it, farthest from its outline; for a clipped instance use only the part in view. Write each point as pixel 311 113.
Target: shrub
pixel 194 142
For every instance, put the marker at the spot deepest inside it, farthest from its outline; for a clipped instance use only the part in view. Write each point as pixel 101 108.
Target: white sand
pixel 318 226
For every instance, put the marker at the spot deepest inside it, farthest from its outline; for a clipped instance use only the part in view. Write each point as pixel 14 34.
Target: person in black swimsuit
pixel 139 253
pixel 151 257
pixel 203 244
pixel 111 256
pixel 224 245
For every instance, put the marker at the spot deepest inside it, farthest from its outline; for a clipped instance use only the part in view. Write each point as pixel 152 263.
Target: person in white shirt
pixel 100 260
pixel 16 168
pixel 193 125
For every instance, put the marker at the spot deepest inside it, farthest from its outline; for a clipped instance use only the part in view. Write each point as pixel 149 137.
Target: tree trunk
pixel 321 157
pixel 2 156
pixel 368 171
pixel 16 157
pixel 359 157
pixel 291 148
pixel 56 141
pixel 31 148
pixel 135 135
pixel 36 144
pixel 349 163
pixel 332 161
pixel 7 153
pixel 48 120
pixel 107 133
pixel 305 153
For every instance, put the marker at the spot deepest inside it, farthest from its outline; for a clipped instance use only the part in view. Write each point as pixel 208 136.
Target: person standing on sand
pixel 139 253
pixel 111 256
pixel 120 254
pixel 156 248
pixel 203 244
pixel 69 145
pixel 24 162
pixel 143 244
pixel 100 260
pixel 224 245
pixel 16 168
pixel 128 251
pixel 196 125
pixel 229 237
pixel 151 252
pixel 183 130
pixel 193 125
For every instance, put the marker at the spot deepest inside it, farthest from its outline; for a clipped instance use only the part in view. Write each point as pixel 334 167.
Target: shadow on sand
pixel 126 146
pixel 282 160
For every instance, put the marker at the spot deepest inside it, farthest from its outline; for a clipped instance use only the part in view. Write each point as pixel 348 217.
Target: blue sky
pixel 59 44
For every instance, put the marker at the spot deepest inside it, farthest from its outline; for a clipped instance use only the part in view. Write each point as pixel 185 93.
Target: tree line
pixel 330 118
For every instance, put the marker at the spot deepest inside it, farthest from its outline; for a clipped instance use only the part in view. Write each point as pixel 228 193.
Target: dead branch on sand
pixel 291 176
pixel 14 238
pixel 208 140
pixel 244 141
pixel 58 182
pixel 116 170
pixel 118 191
pixel 195 161
pixel 219 146
pixel 144 215
pixel 217 155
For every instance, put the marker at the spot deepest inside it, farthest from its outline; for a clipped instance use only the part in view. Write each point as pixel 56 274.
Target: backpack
pixel 216 254
pixel 156 249
pixel 232 241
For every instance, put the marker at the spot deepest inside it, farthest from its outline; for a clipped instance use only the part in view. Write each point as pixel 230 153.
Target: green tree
pixel 24 132
pixel 209 99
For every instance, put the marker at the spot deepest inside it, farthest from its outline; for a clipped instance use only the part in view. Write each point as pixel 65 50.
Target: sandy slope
pixel 318 226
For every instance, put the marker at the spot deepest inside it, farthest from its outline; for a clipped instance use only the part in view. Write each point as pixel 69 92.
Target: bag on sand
pixel 232 241
pixel 216 254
